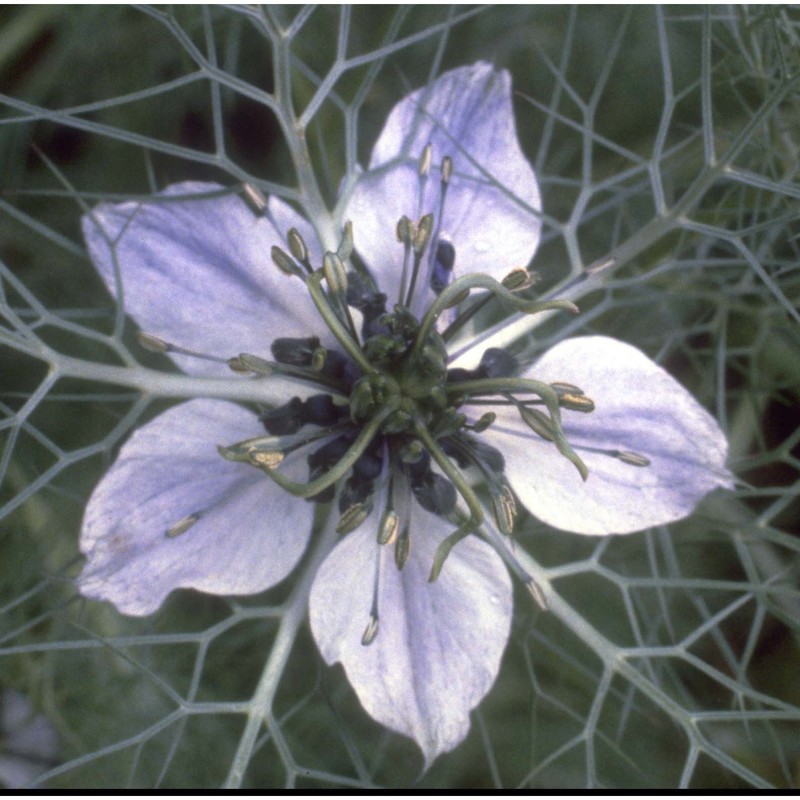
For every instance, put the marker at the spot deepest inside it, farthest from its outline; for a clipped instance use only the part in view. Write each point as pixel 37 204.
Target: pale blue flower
pixel 171 512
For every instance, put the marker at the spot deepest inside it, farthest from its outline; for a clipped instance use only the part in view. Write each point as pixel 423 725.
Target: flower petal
pixel 639 408
pixel 198 272
pixel 439 644
pixel 490 210
pixel 249 535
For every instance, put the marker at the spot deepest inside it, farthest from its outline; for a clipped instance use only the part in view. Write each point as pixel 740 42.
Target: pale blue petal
pixel 250 533
pixel 439 644
pixel 198 272
pixel 490 211
pixel 639 408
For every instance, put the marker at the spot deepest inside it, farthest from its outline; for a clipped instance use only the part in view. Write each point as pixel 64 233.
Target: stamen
pixel 267 460
pixel 181 526
pixel 422 236
pixel 388 527
pixel 521 573
pixel 371 631
pixel 336 277
pixel 520 279
pixel 576 402
pixel 634 459
pixel 250 363
pixel 322 369
pixel 157 345
pixel 345 249
pixel 151 343
pixel 353 517
pixel 254 198
pixel 335 273
pixel 346 338
pixel 285 263
pixel 566 388
pixel 446 173
pixel 505 510
pixel 402 547
pixel 536 593
pixel 423 170
pixel 405 235
pixel 425 161
pixel 298 247
pixel 318 359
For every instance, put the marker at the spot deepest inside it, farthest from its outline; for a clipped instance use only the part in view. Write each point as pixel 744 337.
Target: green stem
pixel 529 385
pixel 478 281
pixel 463 488
pixel 341 468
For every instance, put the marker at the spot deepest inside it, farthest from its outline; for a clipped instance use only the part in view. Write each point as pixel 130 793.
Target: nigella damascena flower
pixel 423 461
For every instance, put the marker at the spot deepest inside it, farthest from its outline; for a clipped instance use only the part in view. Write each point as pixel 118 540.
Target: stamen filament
pixel 371 631
pixel 155 344
pixel 333 322
pixel 444 183
pixel 519 571
pixel 262 366
pixel 420 243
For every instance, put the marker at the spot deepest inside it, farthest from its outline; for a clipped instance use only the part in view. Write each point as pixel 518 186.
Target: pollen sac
pixel 490 456
pixel 435 493
pixel 320 409
pixel 285 419
pixel 370 303
pixel 356 492
pixel 443 262
pixel 352 518
pixel 322 459
pixel 295 352
pixel 576 402
pixel 497 363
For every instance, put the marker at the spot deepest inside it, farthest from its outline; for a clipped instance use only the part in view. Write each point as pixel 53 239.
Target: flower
pixel 204 497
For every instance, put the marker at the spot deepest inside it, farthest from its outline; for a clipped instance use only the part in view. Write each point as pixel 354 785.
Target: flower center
pixel 412 377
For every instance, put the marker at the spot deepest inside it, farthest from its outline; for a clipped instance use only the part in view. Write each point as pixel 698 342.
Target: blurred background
pixel 668 138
